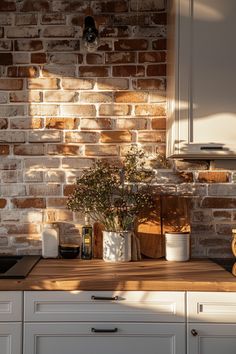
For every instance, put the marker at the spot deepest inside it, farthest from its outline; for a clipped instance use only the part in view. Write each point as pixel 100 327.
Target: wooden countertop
pixel 75 274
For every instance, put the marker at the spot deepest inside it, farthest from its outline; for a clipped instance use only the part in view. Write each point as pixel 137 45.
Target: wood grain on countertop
pixel 75 274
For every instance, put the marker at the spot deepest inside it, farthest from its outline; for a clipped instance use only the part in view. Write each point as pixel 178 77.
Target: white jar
pixel 50 241
pixel 177 246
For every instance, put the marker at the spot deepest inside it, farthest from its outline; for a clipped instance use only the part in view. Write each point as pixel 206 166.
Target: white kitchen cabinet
pixel 201 79
pixel 211 338
pixel 11 322
pixel 211 320
pixel 118 322
pixel 80 338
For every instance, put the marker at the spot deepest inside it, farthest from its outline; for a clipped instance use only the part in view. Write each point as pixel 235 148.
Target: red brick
pixel 43 110
pixel 52 136
pixel 57 202
pixel 42 84
pixel 22 32
pixel 68 189
pixel 60 96
pixel 150 84
pixel 64 149
pixel 94 71
pixel 61 123
pixel 112 6
pixel 114 110
pixel 130 96
pixel 94 58
pixel 101 150
pixel 59 31
pixel 53 18
pixel 113 84
pixel 64 58
pixel 3 203
pixel 81 137
pixel 38 58
pixel 25 96
pixel 151 136
pixel 131 44
pixel 27 45
pixel 120 58
pixel 148 5
pixel 26 203
pixel 159 44
pixel 150 110
pixel 6 59
pixel 5 45
pixel 82 110
pixel 105 45
pixel 1 32
pixel 131 123
pixel 95 124
pixel 59 71
pixel 96 97
pixel 7 5
pixel 114 31
pixel 159 123
pixel 159 18
pixel 116 136
pixel 26 19
pixel 26 123
pixel 62 45
pixel 131 19
pixel 44 189
pixel 156 70
pixel 11 84
pixel 219 203
pixel 213 177
pixel 29 149
pixel 77 84
pixel 152 57
pixel 39 5
pixel 3 123
pixel 128 70
pixel 22 71
pixel 4 150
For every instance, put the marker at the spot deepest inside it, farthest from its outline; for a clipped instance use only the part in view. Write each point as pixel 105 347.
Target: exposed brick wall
pixel 62 107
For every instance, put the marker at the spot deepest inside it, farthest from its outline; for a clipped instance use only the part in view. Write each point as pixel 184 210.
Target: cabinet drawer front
pixel 211 307
pixel 11 305
pixel 10 338
pixel 104 306
pixel 77 338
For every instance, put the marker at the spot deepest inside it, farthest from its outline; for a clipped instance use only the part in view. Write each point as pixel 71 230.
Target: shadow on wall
pixel 62 107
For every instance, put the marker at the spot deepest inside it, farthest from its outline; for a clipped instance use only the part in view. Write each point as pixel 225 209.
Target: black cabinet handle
pixel 211 147
pixel 194 332
pixel 108 298
pixel 100 330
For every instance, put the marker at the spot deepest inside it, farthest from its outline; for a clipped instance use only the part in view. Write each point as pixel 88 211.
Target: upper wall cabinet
pixel 202 79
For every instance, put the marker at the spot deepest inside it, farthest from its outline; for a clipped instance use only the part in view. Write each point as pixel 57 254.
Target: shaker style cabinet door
pixel 10 338
pixel 104 338
pixel 201 80
pixel 211 338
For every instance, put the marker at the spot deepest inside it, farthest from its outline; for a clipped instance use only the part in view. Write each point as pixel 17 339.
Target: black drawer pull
pixel 211 148
pixel 100 330
pixel 109 298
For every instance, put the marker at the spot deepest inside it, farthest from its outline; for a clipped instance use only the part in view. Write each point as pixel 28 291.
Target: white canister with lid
pixel 177 246
pixel 50 241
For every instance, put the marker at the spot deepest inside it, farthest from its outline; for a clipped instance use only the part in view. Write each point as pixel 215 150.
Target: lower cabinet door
pixel 211 338
pixel 10 338
pixel 104 338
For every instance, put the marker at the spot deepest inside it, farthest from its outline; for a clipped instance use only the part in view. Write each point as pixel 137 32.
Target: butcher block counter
pixel 75 274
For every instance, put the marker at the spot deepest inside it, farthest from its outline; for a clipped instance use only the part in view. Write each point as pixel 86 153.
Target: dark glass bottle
pixel 87 240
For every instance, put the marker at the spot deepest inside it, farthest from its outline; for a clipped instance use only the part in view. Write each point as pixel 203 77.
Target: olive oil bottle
pixel 87 240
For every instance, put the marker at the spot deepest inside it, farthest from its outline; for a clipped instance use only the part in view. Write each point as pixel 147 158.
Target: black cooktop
pixel 226 263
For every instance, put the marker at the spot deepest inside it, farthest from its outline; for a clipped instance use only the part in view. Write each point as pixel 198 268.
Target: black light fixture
pixel 90 33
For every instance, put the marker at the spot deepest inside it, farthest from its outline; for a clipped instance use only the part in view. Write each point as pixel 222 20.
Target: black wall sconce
pixel 90 33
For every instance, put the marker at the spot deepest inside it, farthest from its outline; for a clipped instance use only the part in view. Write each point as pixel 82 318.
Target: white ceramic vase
pixel 117 246
pixel 177 246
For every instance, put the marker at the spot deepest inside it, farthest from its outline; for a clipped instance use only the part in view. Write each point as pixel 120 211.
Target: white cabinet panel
pixel 132 338
pixel 10 338
pixel 139 306
pixel 211 307
pixel 11 305
pixel 211 338
pixel 201 83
